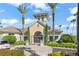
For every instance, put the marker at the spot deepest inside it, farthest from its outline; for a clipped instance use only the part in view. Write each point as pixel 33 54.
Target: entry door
pixel 36 40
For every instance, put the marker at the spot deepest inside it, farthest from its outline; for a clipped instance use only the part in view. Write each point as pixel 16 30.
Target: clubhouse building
pixel 36 30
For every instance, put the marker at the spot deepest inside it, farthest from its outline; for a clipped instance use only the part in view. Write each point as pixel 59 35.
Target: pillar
pixel 42 41
pixel 32 39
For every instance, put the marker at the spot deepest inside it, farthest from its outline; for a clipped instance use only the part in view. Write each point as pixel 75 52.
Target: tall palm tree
pixel 78 31
pixel 53 7
pixel 73 21
pixel 0 24
pixel 67 28
pixel 22 10
pixel 60 27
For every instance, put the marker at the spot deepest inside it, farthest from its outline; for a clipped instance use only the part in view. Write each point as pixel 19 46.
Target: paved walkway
pixel 35 50
pixel 41 50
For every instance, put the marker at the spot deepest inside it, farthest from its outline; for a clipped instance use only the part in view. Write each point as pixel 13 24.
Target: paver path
pixel 35 50
pixel 41 50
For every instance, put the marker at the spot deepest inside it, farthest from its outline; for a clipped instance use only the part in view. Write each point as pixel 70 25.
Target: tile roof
pixel 10 30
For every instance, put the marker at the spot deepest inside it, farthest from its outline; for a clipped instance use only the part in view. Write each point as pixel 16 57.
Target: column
pixel 32 39
pixel 42 41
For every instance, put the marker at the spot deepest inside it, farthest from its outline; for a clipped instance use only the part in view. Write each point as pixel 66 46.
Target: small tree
pixel 74 38
pixel 10 39
pixel 46 34
pixel 29 34
pixel 67 38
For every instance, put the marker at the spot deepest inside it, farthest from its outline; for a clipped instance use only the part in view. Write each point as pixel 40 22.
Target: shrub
pixel 66 45
pixel 67 38
pixel 52 44
pixel 7 52
pixel 20 43
pixel 63 53
pixel 10 38
pixel 74 38
pixel 59 53
pixel 56 53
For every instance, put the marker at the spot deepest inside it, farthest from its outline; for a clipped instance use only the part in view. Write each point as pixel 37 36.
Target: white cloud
pixel 9 21
pixel 29 21
pixel 73 10
pixel 62 3
pixel 50 16
pixel 71 25
pixel 37 11
pixel 40 5
pixel 56 26
pixel 16 4
pixel 62 26
pixel 1 10
pixel 71 18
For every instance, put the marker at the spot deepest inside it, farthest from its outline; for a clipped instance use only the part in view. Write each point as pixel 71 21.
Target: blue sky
pixel 10 16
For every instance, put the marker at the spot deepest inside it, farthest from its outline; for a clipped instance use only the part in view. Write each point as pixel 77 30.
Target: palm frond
pixel 75 14
pixel 22 9
pixel 52 6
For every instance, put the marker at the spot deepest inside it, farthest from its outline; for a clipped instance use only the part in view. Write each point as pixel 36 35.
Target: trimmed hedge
pixel 59 53
pixel 7 52
pixel 67 45
pixel 56 53
pixel 63 53
pixel 10 39
pixel 20 43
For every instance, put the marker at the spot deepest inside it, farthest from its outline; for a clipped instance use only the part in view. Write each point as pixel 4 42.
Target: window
pixel 11 34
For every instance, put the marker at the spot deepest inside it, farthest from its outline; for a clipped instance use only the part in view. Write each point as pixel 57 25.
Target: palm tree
pixel 73 21
pixel 53 7
pixel 60 27
pixel 22 10
pixel 78 31
pixel 0 24
pixel 67 28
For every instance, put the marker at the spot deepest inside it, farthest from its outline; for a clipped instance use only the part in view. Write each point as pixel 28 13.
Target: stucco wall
pixel 17 37
pixel 34 28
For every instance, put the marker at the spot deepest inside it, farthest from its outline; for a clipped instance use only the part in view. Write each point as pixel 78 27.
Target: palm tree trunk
pixel 53 28
pixel 23 27
pixel 78 31
pixel 73 28
pixel 67 31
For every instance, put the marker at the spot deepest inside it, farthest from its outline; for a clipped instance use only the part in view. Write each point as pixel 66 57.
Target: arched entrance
pixel 38 37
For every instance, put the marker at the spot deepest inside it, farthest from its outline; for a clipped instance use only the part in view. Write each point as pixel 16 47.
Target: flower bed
pixel 7 52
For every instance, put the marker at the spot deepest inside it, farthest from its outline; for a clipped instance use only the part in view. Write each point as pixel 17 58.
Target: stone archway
pixel 38 37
